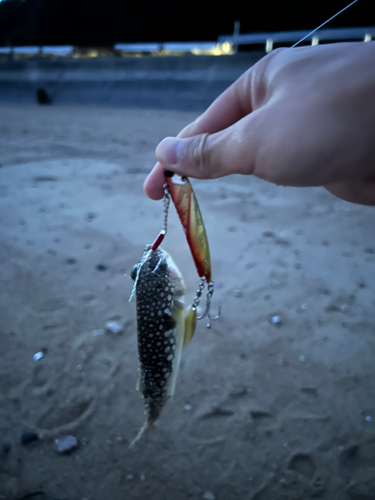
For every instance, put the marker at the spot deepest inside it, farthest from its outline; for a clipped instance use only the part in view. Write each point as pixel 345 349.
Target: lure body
pixel 188 210
pixel 163 328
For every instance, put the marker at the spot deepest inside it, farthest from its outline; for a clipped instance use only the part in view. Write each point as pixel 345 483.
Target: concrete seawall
pixel 171 82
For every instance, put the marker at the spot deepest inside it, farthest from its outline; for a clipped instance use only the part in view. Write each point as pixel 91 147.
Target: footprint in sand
pixel 303 464
pixel 357 456
pixel 76 387
pixel 362 485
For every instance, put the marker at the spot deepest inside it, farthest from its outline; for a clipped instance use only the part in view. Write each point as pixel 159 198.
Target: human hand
pixel 298 117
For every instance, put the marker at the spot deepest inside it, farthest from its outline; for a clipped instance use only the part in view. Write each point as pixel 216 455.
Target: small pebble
pixel 97 333
pixel 304 306
pixel 143 478
pixel 129 477
pixel 101 267
pixel 79 368
pixel 66 444
pixel 38 355
pixel 368 418
pixel 71 261
pixel 302 358
pixel 187 407
pixel 28 437
pixel 276 320
pixel 209 496
pixel 90 216
pixel 114 327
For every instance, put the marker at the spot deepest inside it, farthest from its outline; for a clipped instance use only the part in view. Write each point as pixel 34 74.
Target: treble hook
pixel 208 307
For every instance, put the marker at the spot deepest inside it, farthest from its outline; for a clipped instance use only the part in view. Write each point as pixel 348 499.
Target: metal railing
pixel 289 37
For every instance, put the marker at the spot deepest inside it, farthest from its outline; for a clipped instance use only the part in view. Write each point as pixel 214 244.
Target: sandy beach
pixel 264 409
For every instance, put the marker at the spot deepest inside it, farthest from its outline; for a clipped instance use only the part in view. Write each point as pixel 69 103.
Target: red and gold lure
pixel 187 207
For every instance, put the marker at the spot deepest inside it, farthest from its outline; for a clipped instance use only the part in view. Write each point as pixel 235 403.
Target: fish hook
pixel 206 313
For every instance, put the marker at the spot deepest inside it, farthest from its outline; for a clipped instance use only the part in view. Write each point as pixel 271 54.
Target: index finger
pixel 232 105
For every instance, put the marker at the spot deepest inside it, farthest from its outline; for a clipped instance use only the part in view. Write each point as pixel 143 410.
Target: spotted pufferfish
pixel 164 328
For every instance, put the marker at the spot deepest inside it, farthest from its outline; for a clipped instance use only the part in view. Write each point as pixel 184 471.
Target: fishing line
pixel 325 22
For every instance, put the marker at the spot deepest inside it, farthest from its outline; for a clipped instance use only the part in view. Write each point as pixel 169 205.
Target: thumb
pixel 209 156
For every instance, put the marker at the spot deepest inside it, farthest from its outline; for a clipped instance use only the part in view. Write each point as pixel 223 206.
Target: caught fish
pixel 164 327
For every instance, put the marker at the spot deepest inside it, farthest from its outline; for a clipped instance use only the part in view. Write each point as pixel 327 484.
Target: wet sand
pixel 262 411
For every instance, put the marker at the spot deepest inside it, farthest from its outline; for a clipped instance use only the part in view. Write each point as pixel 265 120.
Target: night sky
pixel 105 22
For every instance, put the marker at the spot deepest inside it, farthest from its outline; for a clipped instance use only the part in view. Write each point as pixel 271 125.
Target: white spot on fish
pixel 169 297
pixel 169 358
pixel 167 374
pixel 167 349
pixel 168 333
pixel 167 311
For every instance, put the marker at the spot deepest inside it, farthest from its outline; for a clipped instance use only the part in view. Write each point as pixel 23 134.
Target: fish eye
pixel 133 274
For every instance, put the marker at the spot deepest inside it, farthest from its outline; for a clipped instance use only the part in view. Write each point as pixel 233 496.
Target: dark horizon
pixel 91 23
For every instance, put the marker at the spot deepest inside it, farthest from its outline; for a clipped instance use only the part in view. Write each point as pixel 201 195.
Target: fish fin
pixel 190 324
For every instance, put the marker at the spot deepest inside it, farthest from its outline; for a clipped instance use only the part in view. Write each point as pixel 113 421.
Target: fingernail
pixel 168 152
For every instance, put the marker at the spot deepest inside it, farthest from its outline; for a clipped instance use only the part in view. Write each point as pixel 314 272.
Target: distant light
pixel 367 38
pixel 269 45
pixel 226 47
pixel 315 40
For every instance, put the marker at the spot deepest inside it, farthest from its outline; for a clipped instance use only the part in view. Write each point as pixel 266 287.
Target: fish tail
pixel 140 434
pixel 147 426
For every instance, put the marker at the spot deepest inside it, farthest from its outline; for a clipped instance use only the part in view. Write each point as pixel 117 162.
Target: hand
pixel 298 117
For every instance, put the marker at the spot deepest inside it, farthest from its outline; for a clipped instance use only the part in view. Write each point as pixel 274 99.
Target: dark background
pixel 105 22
